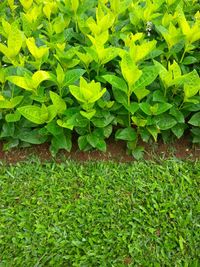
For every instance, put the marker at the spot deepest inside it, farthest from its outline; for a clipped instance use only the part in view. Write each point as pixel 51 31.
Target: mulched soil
pixel 116 150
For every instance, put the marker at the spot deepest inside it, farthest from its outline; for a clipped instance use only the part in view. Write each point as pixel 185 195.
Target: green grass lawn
pixel 100 214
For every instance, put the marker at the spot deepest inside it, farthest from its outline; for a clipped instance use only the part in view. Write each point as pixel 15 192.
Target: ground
pixel 116 150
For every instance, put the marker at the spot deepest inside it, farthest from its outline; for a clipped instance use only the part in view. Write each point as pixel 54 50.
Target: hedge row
pixel 98 68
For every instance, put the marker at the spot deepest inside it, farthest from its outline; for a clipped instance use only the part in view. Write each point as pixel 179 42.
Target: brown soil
pixel 116 150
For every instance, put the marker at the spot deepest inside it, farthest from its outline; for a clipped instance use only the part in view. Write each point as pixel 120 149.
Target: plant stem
pixel 89 127
pixel 183 55
pixel 129 102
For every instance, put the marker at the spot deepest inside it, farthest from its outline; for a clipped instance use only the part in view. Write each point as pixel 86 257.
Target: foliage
pixel 100 214
pixel 85 66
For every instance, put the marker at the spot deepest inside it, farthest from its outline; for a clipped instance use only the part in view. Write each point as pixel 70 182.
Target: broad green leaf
pixel 178 130
pixel 75 91
pixel 5 104
pixel 6 26
pixel 97 96
pixel 158 96
pixel 107 131
pixel 13 102
pixel 190 91
pixel 16 101
pixel 60 23
pixel 52 112
pixel 149 74
pixel 95 141
pixel 15 41
pixel 189 60
pixel 161 108
pixel 72 76
pixel 139 52
pixel 88 93
pixel 138 152
pixel 139 122
pixel 165 76
pixel 165 121
pixel 74 5
pixel 185 27
pixel 65 124
pixel 196 135
pixel 133 107
pixel 127 134
pixel 83 143
pixel 11 144
pixel 53 128
pixel 85 58
pixel 120 97
pixel 34 114
pixel 103 121
pixel 26 3
pixel 58 102
pixel 39 76
pixel 60 75
pixel 141 93
pixel 62 141
pixel 172 35
pixel 195 119
pixel 8 129
pixel 13 117
pixel 109 54
pixel 116 82
pixel 37 52
pixel 154 131
pixel 4 49
pixel 130 71
pixel 174 70
pixel 146 108
pixel 32 137
pixel 21 82
pixel 88 114
pixel 177 114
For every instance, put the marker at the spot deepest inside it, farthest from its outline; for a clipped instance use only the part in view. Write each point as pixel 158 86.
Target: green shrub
pixel 85 66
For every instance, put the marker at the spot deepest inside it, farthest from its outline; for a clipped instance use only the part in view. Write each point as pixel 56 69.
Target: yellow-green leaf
pixel 20 81
pixel 37 52
pixel 39 76
pixel 58 102
pixel 34 114
pixel 15 41
pixel 129 69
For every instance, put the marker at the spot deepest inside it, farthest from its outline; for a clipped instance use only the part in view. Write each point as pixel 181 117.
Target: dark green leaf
pixel 8 129
pixel 138 152
pixel 161 108
pixel 11 144
pixel 116 82
pixel 195 119
pixel 53 128
pixel 62 141
pixel 158 96
pixel 96 141
pixel 72 76
pixel 146 108
pixel 149 74
pixel 83 143
pixel 32 137
pixel 165 121
pixel 178 130
pixel 120 97
pixel 127 134
pixel 189 60
pixel 177 114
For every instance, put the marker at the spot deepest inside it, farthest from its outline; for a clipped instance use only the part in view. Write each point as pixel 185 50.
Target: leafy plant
pixel 93 69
